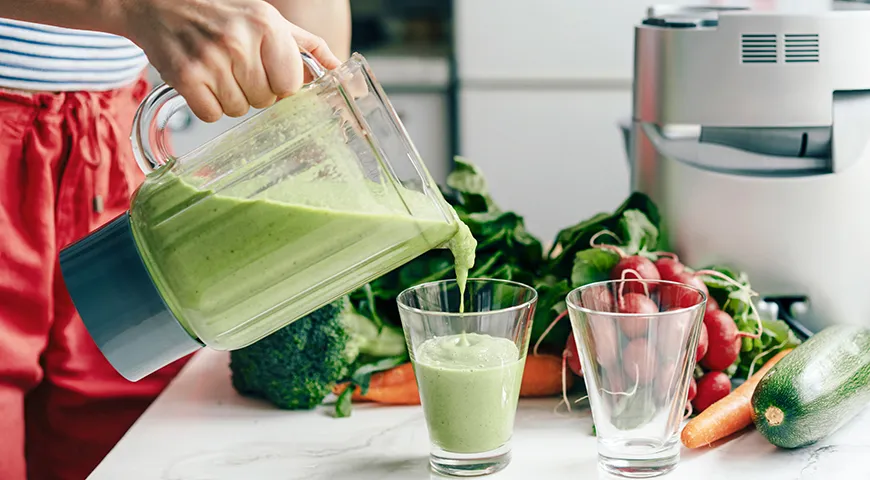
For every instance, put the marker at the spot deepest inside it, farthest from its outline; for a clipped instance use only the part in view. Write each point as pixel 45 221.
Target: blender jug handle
pixel 149 125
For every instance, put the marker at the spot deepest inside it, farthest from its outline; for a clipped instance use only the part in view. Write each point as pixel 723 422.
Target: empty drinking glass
pixel 637 342
pixel 469 366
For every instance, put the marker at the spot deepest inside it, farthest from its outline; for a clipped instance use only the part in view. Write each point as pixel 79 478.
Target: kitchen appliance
pixel 751 132
pixel 296 206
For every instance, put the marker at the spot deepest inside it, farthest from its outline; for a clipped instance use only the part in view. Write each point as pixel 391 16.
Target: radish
pixel 638 267
pixel 712 387
pixel 573 356
pixel 605 339
pixel 675 297
pixel 703 344
pixel 598 299
pixel 712 304
pixel 669 268
pixel 693 389
pixel 692 281
pixel 635 327
pixel 639 361
pixel 672 334
pixel 724 344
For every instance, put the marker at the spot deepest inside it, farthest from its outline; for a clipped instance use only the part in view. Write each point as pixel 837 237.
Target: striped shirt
pixel 47 58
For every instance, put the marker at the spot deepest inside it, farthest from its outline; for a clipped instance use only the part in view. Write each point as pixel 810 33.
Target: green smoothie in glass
pixel 470 384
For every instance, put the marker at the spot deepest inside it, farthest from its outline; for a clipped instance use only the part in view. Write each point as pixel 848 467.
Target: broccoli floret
pixel 297 366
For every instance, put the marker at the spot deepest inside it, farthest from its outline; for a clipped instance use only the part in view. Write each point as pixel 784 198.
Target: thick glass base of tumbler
pixel 470 464
pixel 638 468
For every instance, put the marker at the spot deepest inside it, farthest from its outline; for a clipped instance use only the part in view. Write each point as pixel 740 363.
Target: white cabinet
pixel 567 40
pixel 555 157
pixel 546 39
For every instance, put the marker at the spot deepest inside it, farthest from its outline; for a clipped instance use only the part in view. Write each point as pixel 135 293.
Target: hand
pixel 224 56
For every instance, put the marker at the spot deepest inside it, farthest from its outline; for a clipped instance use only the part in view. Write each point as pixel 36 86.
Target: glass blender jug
pixel 298 205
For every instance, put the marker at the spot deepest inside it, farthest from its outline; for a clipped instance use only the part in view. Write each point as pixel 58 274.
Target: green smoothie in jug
pixel 235 260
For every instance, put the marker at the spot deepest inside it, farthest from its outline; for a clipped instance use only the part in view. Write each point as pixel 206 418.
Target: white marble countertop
pixel 200 429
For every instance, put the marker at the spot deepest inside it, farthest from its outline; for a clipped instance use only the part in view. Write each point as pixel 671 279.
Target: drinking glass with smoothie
pixel 468 344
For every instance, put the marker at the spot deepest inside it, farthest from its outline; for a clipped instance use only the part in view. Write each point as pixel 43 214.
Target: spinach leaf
pixel 577 238
pixel 593 265
pixel 638 233
pixel 470 185
pixel 551 304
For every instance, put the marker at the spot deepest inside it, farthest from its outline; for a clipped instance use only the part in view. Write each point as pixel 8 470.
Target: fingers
pixel 224 83
pixel 249 73
pixel 203 103
pixel 282 65
pixel 191 84
pixel 239 58
pixel 316 46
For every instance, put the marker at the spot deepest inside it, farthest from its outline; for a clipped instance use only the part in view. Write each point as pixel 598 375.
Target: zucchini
pixel 815 389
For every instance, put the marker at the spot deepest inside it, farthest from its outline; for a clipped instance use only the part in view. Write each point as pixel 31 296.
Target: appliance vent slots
pixel 802 48
pixel 758 48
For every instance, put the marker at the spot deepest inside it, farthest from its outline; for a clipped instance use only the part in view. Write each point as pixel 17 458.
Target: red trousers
pixel 66 168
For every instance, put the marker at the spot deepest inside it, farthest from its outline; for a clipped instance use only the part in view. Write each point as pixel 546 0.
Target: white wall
pixel 555 157
pixel 543 86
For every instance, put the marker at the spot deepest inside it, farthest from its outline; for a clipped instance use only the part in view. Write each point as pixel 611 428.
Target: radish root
pixel 605 246
pixel 689 410
pixel 547 331
pixel 671 255
pixel 563 402
pixel 636 274
pixel 753 312
pixel 633 389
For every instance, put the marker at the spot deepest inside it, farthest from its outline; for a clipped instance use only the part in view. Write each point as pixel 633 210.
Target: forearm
pixel 328 19
pixel 99 15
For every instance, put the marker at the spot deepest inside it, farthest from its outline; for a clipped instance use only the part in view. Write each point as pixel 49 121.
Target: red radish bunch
pixel 724 343
pixel 669 267
pixel 637 267
pixel 693 389
pixel 634 327
pixel 719 342
pixel 626 338
pixel 703 344
pixel 712 387
pixel 639 361
pixel 605 339
pixel 573 356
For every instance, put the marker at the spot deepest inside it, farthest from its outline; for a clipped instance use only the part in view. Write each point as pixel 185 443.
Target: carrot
pixel 542 376
pixel 396 386
pixel 729 415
